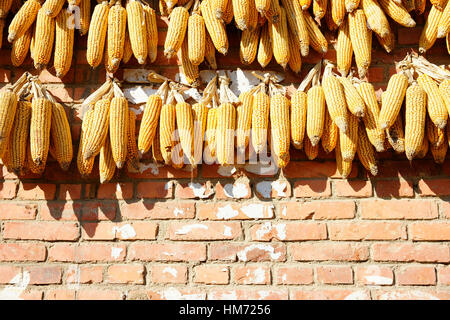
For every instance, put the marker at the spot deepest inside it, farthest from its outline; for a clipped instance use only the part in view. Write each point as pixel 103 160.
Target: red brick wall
pixel 320 237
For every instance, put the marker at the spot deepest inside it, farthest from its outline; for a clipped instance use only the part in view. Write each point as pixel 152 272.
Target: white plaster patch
pixel 284 211
pixel 115 252
pixel 152 166
pixel 281 231
pixel 259 275
pixel 18 285
pixel 227 171
pixel 262 169
pixel 263 230
pixel 357 295
pixel 226 212
pixel 174 294
pixel 227 231
pixel 408 295
pixel 280 187
pixel 126 231
pixel 188 228
pixel 178 211
pixel 242 255
pixel 198 189
pixel 172 271
pixel 263 295
pixel 378 280
pixel 258 211
pixel 236 191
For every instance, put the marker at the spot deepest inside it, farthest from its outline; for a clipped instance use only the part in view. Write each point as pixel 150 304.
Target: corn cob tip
pixel 39 66
pixel 410 154
pixel 362 71
pixel 379 147
pixel 347 156
pixel 11 37
pixel 304 50
pixel 141 153
pixel 241 24
pixel 314 140
pixel 48 12
pixel 411 23
pixel 223 50
pixel 169 53
pixel 343 72
pixel 341 123
pixel 383 124
pixel 119 164
pixel 64 166
pixel 305 7
pixel 297 145
pixel 141 60
pixel 374 170
pixel 440 123
pixel 441 33
pixel 87 155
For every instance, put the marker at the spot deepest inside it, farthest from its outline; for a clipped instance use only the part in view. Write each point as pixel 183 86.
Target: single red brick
pixel 48 231
pixel 248 294
pixel 18 211
pixel 176 294
pixel 60 294
pixel 367 231
pixel 84 274
pixel 194 190
pixel 70 192
pixel 204 231
pixel 33 191
pixel 294 275
pixel 22 252
pixel 410 294
pixel 399 188
pixel 288 231
pixel 444 275
pixel 120 231
pixel 374 275
pixel 44 274
pixel 434 187
pixel 169 273
pixel 234 211
pixel 312 188
pixel 332 251
pixel 429 231
pixel 398 209
pixel 60 211
pixel 318 210
pixel 255 252
pixel 100 294
pixel 126 274
pixel 155 190
pixel 334 274
pixel 409 252
pixel 140 251
pixel 211 274
pixel 252 274
pixel 115 191
pixel 331 294
pixel 353 188
pixel 92 252
pixel 273 189
pixel 236 190
pixel 416 275
pixel 10 274
pixel 160 210
pixel 7 190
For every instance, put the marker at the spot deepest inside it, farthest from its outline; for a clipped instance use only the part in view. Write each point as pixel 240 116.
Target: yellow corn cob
pixel 241 12
pixel 435 103
pixel 106 163
pixel 444 22
pixel 219 7
pixel 210 52
pixel 297 24
pixel 396 135
pixel 349 139
pixel 351 5
pixel 305 4
pixel 63 44
pixel 434 134
pixel 98 130
pixel 311 151
pixel 260 121
pixel 332 26
pixel 118 129
pixel 366 153
pixel 397 12
pixel 343 167
pixel 262 6
pixel 23 19
pixel 249 45
pixel 298 118
pixel 85 16
pixel 447 41
pixel 438 3
pixel 176 31
pixel 117 23
pixel 226 125
pixel 423 149
pixel 85 166
pixel 132 150
pixel 167 127
pixel 152 33
pixel 8 105
pixel 149 123
pixel 33 167
pixel 335 99
pixel 344 49
pixel 280 125
pixel 138 31
pixel 41 119
pixel 374 133
pixel 295 57
pixel 20 48
pixel 253 15
pixel 5 6
pixel 53 7
pixel 315 114
pixel 409 5
pixel 416 104
pixel 440 152
pixel 19 137
pixel 196 39
pixel 316 38
pixel 177 160
pixel 127 51
pixel 228 14
pixel 200 116
pixel 444 90
pixel 376 19
pixel 354 101
pixel 215 28
pixel 44 38
pixel 361 39
pixel 61 136
pixel 337 11
pixel 163 9
pixel 265 50
pixel 156 148
pixel 279 36
pixel 273 13
pixel 388 42
pixel 395 94
pixel 330 134
pixel 319 9
pixel 210 136
pixel 97 34
pixel 185 125
pixel 190 71
pixel 243 121
pixel 430 30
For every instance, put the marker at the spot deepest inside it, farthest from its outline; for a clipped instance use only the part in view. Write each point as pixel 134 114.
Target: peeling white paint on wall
pixel 409 295
pixel 281 231
pixel 199 190
pixel 357 295
pixel 242 255
pixel 258 211
pixel 378 280
pixel 171 271
pixel 236 191
pixel 18 285
pixel 227 212
pixel 280 187
pixel 174 294
pixel 263 230
pixel 144 167
pixel 263 294
pixel 178 211
pixel 188 228
pixel 115 252
pixel 126 231
pixel 227 231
